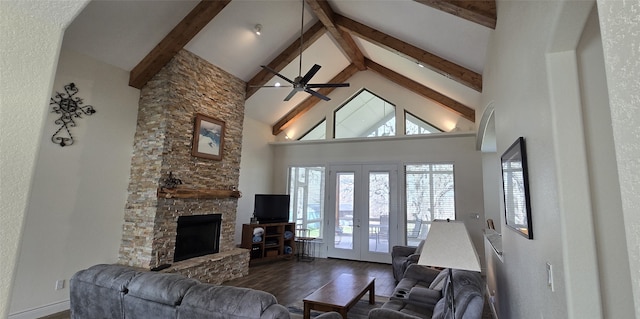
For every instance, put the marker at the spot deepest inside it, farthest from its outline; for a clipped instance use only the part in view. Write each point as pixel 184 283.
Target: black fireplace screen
pixel 197 235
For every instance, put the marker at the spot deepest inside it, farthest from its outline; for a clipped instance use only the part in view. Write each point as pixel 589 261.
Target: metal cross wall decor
pixel 69 107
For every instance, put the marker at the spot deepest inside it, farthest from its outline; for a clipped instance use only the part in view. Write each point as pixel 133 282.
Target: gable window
pixel 430 195
pixel 365 115
pixel 416 126
pixel 318 132
pixel 306 188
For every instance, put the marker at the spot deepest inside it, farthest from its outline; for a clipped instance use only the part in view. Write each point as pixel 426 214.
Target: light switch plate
pixel 550 277
pixel 59 284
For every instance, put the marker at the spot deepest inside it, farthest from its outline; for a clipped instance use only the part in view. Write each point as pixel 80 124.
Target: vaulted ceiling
pixel 388 37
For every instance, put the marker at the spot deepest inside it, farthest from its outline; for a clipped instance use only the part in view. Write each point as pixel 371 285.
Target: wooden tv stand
pixel 273 243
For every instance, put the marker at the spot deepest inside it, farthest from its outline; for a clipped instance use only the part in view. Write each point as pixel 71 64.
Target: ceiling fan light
pixel 258 29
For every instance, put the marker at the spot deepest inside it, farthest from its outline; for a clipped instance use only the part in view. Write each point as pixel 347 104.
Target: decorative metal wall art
pixel 171 182
pixel 69 107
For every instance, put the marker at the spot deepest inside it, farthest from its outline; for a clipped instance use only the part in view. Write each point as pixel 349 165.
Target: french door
pixel 362 211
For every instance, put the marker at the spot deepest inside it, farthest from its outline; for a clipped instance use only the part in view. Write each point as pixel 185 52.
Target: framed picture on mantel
pixel 208 138
pixel 515 183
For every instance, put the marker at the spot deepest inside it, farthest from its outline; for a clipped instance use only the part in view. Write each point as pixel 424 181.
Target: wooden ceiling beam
pixel 311 101
pixel 284 58
pixel 181 34
pixel 325 14
pixel 478 11
pixel 437 64
pixel 464 111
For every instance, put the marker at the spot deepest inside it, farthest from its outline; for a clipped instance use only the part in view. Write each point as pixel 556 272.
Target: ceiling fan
pixel 301 83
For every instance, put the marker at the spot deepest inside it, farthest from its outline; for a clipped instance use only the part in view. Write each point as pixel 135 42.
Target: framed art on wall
pixel 515 183
pixel 208 138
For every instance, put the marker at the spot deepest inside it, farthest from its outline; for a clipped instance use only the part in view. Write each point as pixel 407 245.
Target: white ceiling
pixel 121 33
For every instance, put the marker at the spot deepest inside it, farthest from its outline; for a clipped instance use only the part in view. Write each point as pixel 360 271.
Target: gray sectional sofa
pixel 419 294
pixel 120 292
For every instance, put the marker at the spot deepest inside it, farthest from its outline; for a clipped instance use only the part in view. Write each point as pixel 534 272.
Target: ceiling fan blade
pixel 291 94
pixel 271 86
pixel 316 94
pixel 276 73
pixel 328 85
pixel 310 74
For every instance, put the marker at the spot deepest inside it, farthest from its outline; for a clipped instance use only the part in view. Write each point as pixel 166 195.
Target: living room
pixel 77 199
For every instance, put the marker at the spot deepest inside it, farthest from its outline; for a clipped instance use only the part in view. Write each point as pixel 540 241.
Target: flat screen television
pixel 271 208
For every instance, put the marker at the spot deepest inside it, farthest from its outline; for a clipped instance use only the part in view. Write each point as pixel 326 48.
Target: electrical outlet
pixel 59 284
pixel 550 277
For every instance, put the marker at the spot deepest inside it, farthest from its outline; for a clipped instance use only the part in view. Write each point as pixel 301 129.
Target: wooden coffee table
pixel 340 294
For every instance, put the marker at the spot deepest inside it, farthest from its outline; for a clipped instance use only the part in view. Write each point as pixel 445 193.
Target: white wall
pixel 76 208
pixel 30 33
pixel 549 89
pixel 620 29
pixel 515 80
pixel 256 173
pixel 492 185
pixel 456 148
pixel 605 188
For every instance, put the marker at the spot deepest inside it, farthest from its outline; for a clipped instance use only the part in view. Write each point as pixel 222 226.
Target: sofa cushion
pixel 228 302
pixel 162 288
pixel 468 290
pixel 108 276
pixel 399 309
pixel 438 283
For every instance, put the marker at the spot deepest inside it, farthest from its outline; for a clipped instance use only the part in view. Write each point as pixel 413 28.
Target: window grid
pixel 430 195
pixel 306 187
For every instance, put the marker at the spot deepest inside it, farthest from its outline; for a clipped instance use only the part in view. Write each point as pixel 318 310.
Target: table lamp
pixel 448 245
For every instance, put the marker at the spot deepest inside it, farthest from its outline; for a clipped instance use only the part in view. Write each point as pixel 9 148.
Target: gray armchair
pixel 402 257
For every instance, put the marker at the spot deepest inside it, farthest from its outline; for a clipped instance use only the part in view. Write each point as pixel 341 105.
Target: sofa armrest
pixel 382 313
pixel 424 296
pixel 402 251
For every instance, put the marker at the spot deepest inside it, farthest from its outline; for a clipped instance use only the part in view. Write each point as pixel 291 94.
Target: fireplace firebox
pixel 197 235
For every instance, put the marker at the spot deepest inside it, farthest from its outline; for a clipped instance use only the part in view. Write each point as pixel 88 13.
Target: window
pixel 306 188
pixel 365 115
pixel 415 125
pixel 429 190
pixel 318 132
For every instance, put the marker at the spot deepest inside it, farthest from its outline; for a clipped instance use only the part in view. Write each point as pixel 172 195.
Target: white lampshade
pixel 448 245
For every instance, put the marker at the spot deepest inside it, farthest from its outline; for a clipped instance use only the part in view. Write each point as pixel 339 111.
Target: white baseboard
pixel 42 311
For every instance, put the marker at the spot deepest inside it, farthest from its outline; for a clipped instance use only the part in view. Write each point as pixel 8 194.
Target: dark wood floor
pixel 292 280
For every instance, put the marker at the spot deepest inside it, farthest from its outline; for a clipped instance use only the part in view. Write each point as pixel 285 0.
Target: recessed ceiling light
pixel 420 65
pixel 277 84
pixel 258 29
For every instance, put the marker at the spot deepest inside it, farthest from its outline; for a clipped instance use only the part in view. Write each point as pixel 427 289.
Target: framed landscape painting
pixel 515 182
pixel 208 137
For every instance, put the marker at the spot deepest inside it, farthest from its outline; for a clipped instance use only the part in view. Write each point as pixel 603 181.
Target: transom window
pixel 365 115
pixel 318 132
pixel 414 125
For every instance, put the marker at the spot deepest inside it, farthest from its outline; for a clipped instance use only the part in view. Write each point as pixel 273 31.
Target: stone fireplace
pixel 186 86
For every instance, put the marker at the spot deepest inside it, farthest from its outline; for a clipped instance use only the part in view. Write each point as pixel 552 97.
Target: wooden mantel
pixel 197 193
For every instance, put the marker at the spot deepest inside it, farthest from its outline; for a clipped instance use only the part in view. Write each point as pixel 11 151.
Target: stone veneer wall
pixel 167 109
